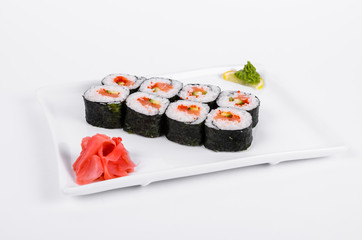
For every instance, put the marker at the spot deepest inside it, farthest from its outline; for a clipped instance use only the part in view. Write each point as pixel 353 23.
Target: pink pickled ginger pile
pixel 102 158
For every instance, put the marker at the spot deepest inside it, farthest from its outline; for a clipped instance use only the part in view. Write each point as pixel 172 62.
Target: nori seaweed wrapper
pixel 255 115
pixel 228 140
pixel 134 90
pixel 105 115
pixel 212 104
pixel 137 88
pixel 174 98
pixel 185 133
pixel 144 125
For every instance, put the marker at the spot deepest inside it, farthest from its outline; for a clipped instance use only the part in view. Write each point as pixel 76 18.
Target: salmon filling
pixel 197 91
pixel 123 81
pixel 192 109
pixel 159 86
pixel 145 101
pixel 240 100
pixel 108 93
pixel 228 116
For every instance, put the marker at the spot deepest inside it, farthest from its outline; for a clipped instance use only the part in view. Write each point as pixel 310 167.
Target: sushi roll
pixel 162 87
pixel 228 130
pixel 125 80
pixel 200 93
pixel 241 100
pixel 104 105
pixel 185 122
pixel 145 114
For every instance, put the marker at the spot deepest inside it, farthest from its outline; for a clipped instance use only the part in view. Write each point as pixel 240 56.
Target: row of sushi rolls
pixel 190 114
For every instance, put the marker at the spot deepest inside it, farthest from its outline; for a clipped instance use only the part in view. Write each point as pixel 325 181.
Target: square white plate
pixel 285 132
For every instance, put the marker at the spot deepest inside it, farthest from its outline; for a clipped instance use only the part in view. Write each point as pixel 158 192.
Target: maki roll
pixel 125 80
pixel 162 87
pixel 185 122
pixel 241 100
pixel 200 93
pixel 144 114
pixel 104 104
pixel 228 130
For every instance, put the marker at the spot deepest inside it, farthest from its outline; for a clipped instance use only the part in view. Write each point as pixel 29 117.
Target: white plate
pixel 285 132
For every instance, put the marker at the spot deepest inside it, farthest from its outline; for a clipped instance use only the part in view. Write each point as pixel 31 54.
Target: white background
pixel 311 47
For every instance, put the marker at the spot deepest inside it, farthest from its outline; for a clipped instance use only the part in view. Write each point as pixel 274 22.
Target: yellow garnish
pixel 230 76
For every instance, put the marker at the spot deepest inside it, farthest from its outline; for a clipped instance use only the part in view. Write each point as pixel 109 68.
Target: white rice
pixel 92 94
pixel 222 124
pixel 224 100
pixel 211 95
pixel 146 87
pixel 109 80
pixel 181 116
pixel 134 104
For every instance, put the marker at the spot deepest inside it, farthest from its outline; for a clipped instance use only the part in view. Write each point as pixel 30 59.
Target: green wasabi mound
pixel 248 74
